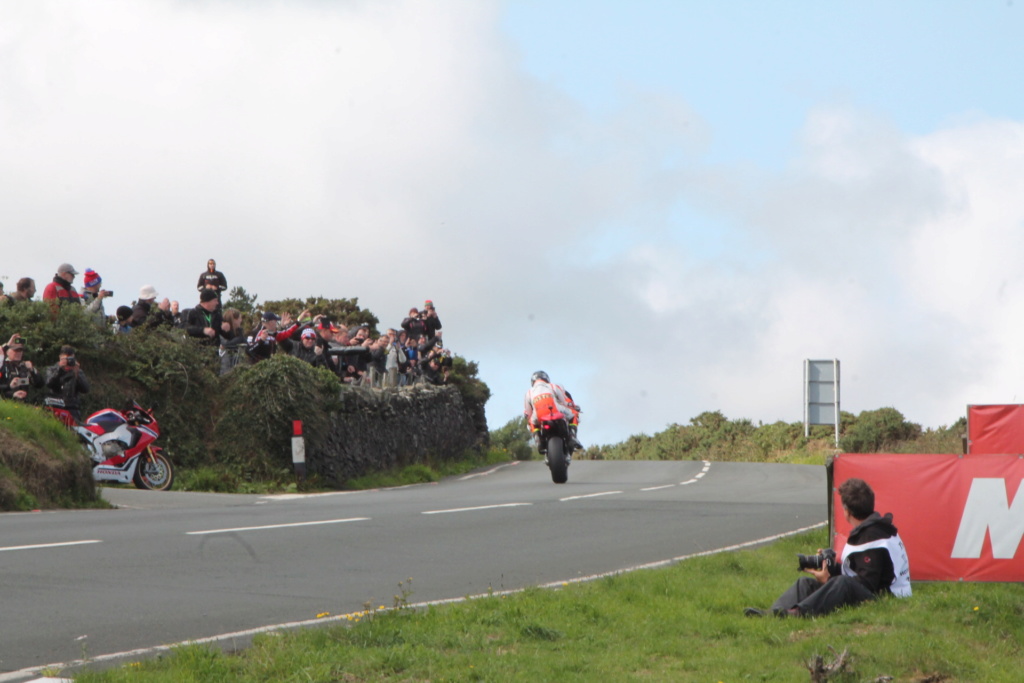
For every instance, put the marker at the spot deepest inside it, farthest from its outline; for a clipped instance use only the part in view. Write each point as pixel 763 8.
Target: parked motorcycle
pixel 120 444
pixel 557 442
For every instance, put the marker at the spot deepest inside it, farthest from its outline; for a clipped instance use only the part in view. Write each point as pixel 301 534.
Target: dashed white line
pixel 590 495
pixel 658 488
pixel 697 477
pixel 47 545
pixel 480 507
pixel 275 526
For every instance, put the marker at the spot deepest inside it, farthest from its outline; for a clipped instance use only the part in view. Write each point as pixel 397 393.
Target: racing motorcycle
pixel 556 441
pixel 120 444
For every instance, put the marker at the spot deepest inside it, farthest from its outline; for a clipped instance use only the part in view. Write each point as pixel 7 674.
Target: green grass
pixel 682 623
pixel 38 426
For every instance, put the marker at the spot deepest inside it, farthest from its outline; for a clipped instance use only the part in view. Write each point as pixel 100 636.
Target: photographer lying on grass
pixel 874 562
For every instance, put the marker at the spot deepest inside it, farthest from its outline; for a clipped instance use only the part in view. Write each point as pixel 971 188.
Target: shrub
pixel 514 438
pixel 259 404
pixel 875 430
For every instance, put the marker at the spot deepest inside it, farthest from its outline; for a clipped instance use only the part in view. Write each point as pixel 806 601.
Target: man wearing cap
pixel 17 375
pixel 205 321
pixel 308 350
pixel 92 295
pixel 60 288
pixel 264 339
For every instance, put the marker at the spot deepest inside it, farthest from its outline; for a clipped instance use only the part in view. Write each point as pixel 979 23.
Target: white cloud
pixel 394 151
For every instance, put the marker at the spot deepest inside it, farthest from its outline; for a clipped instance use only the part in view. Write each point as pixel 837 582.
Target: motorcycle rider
pixel 545 398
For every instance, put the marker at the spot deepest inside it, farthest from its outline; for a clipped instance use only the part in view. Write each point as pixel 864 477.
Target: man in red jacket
pixel 60 288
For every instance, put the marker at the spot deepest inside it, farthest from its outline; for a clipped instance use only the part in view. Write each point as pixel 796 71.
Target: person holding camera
pixel 414 325
pixel 66 380
pixel 17 375
pixel 874 562
pixel 93 295
pixel 431 323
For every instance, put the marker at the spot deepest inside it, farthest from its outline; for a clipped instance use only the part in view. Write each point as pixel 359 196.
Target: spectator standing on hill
pixel 233 349
pixel 25 291
pixel 4 299
pixel 123 320
pixel 414 326
pixel 146 312
pixel 361 337
pixel 60 288
pixel 66 380
pixel 212 279
pixel 308 350
pixel 433 373
pixel 264 339
pixel 142 306
pixel 325 331
pixel 431 323
pixel 17 375
pixel 92 295
pixel 205 321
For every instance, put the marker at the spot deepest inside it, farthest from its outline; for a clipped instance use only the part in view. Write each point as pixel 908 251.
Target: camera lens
pixel 809 561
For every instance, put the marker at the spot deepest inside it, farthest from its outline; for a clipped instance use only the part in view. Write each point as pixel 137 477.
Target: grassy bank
pixel 42 465
pixel 682 623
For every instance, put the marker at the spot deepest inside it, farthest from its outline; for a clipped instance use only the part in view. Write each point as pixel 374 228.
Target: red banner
pixel 995 429
pixel 960 518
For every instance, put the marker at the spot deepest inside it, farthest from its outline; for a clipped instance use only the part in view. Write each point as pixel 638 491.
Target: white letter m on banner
pixel 988 510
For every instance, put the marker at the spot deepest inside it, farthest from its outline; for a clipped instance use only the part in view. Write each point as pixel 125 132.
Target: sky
pixel 666 205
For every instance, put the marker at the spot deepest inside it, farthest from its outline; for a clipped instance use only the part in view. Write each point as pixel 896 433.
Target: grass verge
pixel 681 623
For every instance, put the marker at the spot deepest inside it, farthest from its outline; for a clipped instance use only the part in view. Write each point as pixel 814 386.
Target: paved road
pixel 169 567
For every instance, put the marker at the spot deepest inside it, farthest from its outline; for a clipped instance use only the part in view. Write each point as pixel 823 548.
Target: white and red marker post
pixel 298 450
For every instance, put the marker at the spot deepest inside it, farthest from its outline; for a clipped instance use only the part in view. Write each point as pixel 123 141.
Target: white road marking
pixel 301 496
pixel 697 477
pixel 230 637
pixel 47 545
pixel 590 495
pixel 674 560
pixel 481 507
pixel 658 488
pixel 490 471
pixel 275 526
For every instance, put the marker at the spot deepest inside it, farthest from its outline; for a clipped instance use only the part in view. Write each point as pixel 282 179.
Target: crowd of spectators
pixel 403 355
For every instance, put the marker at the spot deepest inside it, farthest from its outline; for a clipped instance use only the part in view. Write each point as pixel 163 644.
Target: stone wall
pixel 380 429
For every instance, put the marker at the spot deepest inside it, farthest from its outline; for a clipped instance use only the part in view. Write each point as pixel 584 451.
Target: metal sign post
pixel 821 395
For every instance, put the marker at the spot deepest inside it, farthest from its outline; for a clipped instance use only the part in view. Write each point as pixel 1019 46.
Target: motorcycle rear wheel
pixel 154 472
pixel 556 460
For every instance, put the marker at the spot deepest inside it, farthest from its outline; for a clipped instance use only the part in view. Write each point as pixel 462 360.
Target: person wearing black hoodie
pixel 874 562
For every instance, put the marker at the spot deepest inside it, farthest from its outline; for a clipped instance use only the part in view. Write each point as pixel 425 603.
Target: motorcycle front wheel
pixel 154 472
pixel 556 460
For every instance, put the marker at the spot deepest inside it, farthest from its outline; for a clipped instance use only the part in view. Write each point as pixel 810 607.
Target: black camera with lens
pixel 71 362
pixel 825 558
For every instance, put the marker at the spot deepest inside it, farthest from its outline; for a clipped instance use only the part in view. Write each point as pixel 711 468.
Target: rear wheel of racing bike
pixel 154 472
pixel 556 460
